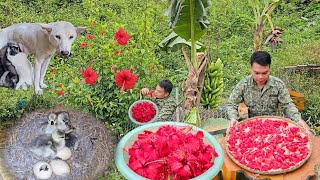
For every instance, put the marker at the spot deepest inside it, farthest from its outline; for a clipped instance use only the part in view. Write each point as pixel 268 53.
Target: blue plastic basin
pixel 121 156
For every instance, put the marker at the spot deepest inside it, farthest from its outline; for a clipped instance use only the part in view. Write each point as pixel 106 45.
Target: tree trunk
pixel 257 39
pixel 194 81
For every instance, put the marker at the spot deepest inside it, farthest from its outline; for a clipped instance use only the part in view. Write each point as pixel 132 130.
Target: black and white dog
pixel 8 74
pixel 17 69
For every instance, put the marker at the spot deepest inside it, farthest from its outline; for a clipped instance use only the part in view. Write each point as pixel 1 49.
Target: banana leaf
pixel 173 43
pixel 193 117
pixel 180 17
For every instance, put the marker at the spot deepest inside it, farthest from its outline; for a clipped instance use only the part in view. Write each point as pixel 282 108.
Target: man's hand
pixel 232 123
pixel 304 126
pixel 144 91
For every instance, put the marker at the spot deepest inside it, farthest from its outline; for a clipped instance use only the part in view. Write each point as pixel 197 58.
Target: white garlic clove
pixel 42 170
pixel 60 168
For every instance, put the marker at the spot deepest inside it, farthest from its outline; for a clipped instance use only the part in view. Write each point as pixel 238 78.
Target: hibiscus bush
pixel 110 64
pixel 98 48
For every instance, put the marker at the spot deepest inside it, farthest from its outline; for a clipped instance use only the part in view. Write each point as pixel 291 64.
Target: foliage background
pixel 229 38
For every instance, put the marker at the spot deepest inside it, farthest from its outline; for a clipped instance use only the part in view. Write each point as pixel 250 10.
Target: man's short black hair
pixel 261 57
pixel 166 85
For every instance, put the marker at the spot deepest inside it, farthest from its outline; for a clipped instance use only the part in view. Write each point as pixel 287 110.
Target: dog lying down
pixel 18 71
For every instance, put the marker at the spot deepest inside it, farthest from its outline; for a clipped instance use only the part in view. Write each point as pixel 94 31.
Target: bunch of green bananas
pixel 213 85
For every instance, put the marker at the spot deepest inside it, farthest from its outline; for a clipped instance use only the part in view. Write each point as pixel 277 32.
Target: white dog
pixel 42 40
pixel 22 65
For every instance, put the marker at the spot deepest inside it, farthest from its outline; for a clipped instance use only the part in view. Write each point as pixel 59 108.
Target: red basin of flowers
pixel 143 111
pixel 268 145
pixel 170 153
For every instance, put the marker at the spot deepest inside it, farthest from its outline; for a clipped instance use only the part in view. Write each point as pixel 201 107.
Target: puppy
pixel 8 74
pixel 22 65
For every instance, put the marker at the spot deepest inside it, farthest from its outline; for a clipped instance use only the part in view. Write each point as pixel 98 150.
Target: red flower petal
pixel 90 76
pixel 125 79
pixel 89 36
pixel 122 37
pixel 61 93
pixel 83 45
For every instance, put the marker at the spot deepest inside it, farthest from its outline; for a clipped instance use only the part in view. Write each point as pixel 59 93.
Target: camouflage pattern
pixel 317 170
pixel 167 107
pixel 264 102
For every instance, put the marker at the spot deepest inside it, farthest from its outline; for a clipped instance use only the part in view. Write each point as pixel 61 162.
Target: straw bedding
pixel 91 154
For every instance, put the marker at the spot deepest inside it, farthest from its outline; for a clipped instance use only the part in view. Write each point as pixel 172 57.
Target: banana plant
pixel 188 19
pixel 260 19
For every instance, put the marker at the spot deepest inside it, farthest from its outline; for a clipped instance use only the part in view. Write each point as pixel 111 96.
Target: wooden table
pixel 229 168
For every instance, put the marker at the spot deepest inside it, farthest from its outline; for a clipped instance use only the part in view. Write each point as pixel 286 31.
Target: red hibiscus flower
pixel 150 94
pixel 90 76
pixel 122 37
pixel 125 79
pixel 89 36
pixel 83 45
pixel 117 52
pixel 141 167
pixel 162 154
pixel 61 93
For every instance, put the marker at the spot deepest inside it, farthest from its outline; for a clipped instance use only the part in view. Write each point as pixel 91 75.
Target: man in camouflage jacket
pixel 262 93
pixel 161 97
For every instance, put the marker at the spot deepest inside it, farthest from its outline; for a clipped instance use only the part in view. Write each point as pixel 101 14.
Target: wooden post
pixel 177 102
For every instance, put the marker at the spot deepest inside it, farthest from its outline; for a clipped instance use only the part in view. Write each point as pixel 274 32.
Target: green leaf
pixel 180 12
pixel 173 42
pixel 276 2
pixel 193 116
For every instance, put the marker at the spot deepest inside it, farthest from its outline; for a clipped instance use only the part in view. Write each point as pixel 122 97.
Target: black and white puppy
pixel 8 74
pixel 23 67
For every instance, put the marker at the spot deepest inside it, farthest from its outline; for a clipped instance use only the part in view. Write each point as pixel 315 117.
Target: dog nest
pixel 92 154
